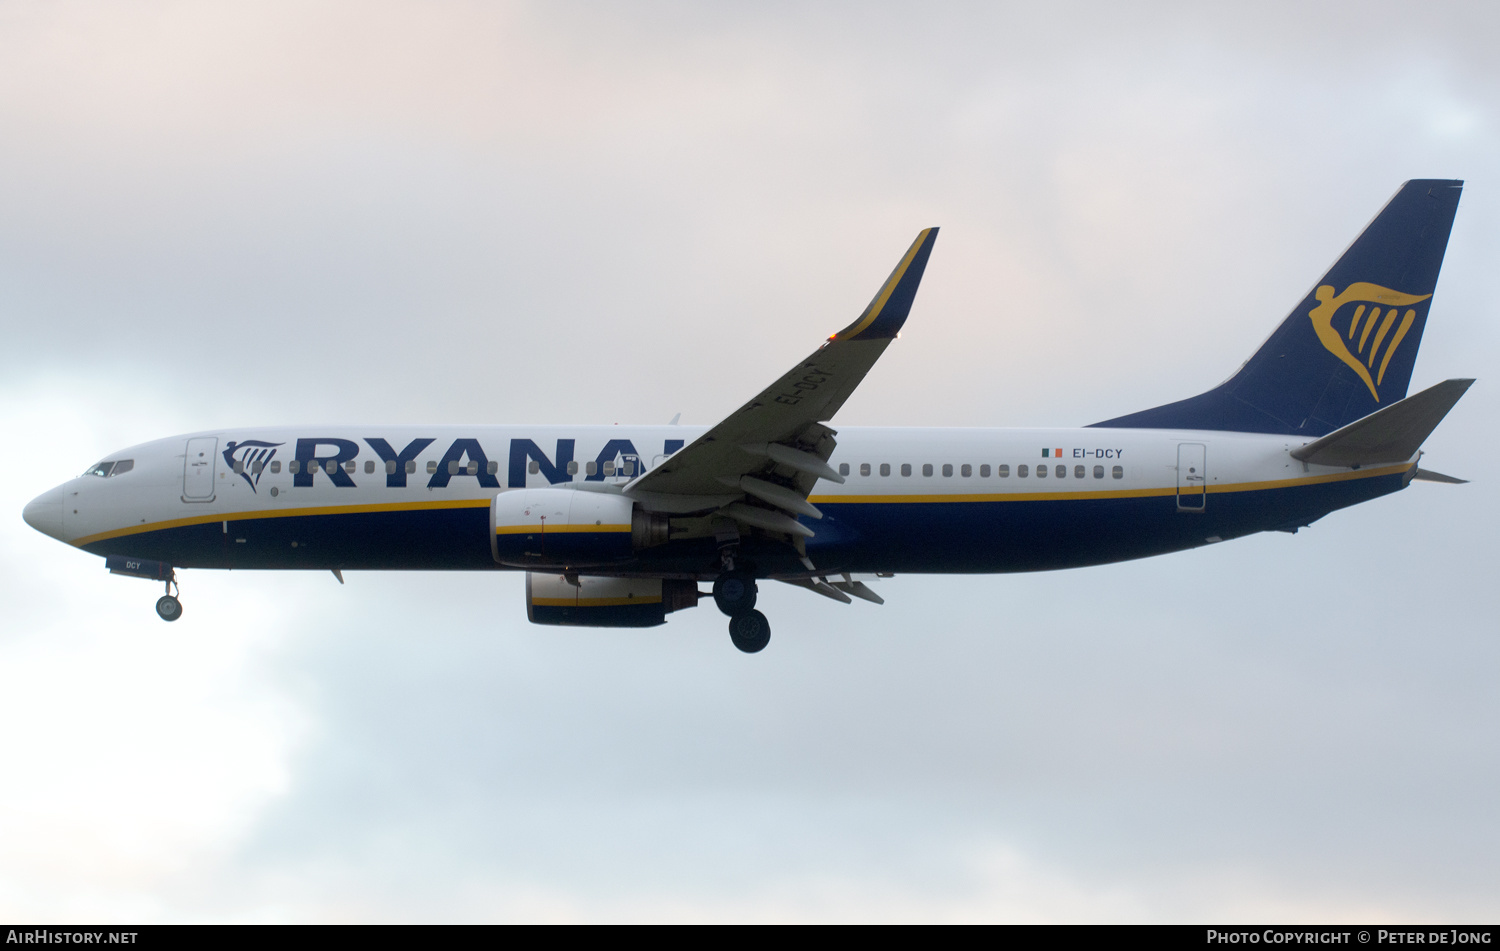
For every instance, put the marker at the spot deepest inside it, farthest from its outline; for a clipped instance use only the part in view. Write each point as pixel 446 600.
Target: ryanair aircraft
pixel 616 526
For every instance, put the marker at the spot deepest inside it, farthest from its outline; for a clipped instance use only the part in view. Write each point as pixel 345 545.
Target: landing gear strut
pixel 168 608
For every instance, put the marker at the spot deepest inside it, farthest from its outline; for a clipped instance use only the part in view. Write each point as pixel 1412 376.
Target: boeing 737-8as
pixel 616 526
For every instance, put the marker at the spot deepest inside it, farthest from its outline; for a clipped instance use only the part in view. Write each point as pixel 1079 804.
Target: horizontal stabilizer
pixel 1427 475
pixel 1393 434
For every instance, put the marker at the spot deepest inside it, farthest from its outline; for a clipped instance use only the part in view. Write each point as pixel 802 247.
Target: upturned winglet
pixel 887 312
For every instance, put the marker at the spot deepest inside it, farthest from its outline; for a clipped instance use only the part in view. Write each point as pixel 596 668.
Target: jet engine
pixel 587 601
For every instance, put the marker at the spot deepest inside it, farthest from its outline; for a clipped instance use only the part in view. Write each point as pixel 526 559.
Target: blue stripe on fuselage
pixel 903 537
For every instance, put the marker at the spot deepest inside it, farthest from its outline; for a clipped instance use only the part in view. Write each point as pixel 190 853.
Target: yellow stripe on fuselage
pixel 359 509
pixel 1107 493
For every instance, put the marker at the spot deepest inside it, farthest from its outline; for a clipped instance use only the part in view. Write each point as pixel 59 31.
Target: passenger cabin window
pixel 1021 471
pixel 1098 472
pixel 984 471
pixel 885 468
pixel 572 468
pixel 927 468
pixel 238 467
pixel 369 467
pixel 906 468
pixel 453 467
pixel 1078 472
pixel 609 468
pixel 1062 472
pixel 1004 472
pixel 948 470
pixel 349 466
pixel 493 467
pixel 390 466
pixel 275 466
pixel 843 468
pixel 257 467
pixel 534 467
pixel 1041 472
pixel 589 468
pixel 966 470
pixel 411 466
pixel 864 468
pixel 1119 472
pixel 629 467
pixel 432 466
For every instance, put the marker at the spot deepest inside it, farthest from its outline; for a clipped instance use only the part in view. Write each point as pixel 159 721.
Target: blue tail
pixel 1348 349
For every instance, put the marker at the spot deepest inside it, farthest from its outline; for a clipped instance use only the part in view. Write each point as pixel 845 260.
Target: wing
pixel 774 448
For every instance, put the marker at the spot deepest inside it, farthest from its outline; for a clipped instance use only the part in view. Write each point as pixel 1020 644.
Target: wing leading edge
pixel 773 449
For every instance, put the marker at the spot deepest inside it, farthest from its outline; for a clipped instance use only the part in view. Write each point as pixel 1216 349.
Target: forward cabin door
pixel 1192 477
pixel 198 469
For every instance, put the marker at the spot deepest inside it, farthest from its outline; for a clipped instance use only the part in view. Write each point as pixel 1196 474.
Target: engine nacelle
pixel 587 601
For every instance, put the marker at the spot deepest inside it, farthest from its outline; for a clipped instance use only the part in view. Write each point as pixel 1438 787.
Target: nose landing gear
pixel 168 608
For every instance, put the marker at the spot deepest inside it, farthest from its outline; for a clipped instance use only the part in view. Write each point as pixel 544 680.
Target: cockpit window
pixel 113 467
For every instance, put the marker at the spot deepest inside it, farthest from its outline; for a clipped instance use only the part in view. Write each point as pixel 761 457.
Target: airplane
pixel 616 526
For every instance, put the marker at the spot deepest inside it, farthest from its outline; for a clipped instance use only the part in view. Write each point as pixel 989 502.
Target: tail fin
pixel 1348 348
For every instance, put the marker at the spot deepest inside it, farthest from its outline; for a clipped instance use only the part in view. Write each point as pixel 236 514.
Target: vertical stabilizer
pixel 1348 348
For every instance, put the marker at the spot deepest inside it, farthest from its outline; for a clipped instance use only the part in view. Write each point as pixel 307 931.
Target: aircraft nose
pixel 45 513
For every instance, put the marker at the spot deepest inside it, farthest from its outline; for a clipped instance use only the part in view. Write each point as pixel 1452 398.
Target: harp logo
pixel 248 459
pixel 1363 326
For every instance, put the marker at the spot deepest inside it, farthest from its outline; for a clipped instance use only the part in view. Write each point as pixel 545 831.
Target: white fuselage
pixel 913 499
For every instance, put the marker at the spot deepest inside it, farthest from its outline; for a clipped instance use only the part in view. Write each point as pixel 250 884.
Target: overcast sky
pixel 216 215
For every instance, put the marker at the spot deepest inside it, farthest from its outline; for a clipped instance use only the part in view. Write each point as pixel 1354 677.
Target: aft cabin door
pixel 1192 477
pixel 198 469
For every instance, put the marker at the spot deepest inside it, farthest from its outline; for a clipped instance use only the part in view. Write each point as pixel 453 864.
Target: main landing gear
pixel 734 593
pixel 168 608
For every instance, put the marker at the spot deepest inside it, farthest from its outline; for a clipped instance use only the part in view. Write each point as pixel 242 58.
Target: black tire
pixel 734 593
pixel 750 632
pixel 168 608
